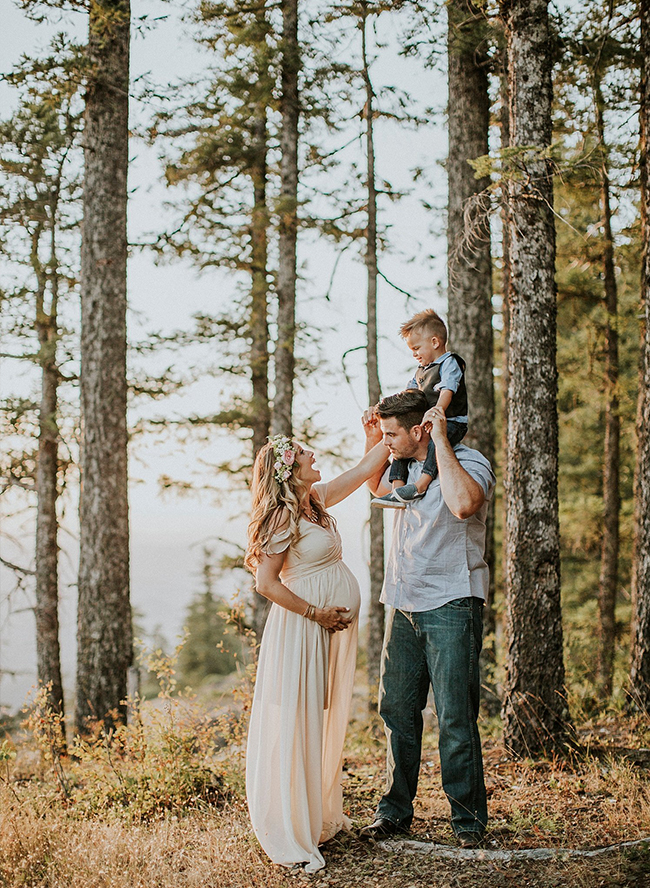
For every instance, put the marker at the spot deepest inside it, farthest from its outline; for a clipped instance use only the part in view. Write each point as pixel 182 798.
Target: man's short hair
pixel 408 407
pixel 428 322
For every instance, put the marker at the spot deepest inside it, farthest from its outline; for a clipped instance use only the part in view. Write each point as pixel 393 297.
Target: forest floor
pixel 125 817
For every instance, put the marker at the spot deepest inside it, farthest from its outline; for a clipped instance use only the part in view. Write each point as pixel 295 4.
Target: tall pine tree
pixel 287 210
pixel 534 709
pixel 221 124
pixel 640 671
pixel 39 224
pixel 104 632
pixel 469 265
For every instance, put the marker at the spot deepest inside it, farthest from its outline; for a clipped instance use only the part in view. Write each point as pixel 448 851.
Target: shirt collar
pixel 437 361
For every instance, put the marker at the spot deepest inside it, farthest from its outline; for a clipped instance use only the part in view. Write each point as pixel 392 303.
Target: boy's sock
pixel 422 484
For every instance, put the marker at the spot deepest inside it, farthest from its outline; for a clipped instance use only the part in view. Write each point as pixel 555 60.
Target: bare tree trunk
pixel 259 328
pixel 259 325
pixel 469 265
pixel 469 256
pixel 504 122
pixel 534 708
pixel 608 580
pixel 47 549
pixel 505 222
pixel 288 213
pixel 376 611
pixel 640 668
pixel 104 633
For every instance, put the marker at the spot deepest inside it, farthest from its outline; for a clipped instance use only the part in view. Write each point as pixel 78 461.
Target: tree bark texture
pixel 504 142
pixel 104 633
pixel 469 263
pixel 376 612
pixel 288 222
pixel 48 652
pixel 640 666
pixel 534 709
pixel 608 579
pixel 259 326
pixel 469 256
pixel 505 223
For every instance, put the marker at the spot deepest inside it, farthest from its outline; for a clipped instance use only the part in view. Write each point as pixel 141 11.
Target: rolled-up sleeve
pixel 450 375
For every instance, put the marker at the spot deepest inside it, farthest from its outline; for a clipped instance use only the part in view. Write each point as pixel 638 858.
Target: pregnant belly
pixel 332 586
pixel 344 591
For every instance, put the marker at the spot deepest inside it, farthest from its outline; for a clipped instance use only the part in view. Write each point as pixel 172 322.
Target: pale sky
pixel 168 531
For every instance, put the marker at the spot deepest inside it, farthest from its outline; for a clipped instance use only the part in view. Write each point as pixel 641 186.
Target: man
pixel 435 585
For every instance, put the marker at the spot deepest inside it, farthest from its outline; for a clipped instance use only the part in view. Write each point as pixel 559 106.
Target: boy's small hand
pixel 427 418
pixel 435 422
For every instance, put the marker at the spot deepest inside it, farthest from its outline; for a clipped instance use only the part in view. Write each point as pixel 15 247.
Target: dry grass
pixel 599 799
pixel 217 849
pixel 202 849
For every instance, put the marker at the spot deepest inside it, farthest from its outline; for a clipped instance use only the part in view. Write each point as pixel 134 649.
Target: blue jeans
pixel 440 647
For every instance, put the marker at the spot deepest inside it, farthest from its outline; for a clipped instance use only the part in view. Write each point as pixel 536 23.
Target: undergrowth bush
pixel 171 757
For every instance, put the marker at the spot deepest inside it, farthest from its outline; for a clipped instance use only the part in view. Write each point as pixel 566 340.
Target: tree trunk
pixel 259 328
pixel 469 265
pixel 640 670
pixel 505 291
pixel 104 633
pixel 534 708
pixel 288 222
pixel 469 259
pixel 506 273
pixel 47 549
pixel 505 223
pixel 376 611
pixel 259 324
pixel 608 581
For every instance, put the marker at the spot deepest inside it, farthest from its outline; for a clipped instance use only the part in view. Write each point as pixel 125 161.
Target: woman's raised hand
pixel 333 619
pixel 370 422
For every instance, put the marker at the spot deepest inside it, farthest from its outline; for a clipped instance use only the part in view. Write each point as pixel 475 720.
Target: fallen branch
pixel 413 847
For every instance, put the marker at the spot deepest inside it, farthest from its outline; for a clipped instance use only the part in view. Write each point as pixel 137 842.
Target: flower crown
pixel 285 456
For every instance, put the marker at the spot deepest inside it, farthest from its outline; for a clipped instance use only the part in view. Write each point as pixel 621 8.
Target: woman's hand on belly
pixel 334 619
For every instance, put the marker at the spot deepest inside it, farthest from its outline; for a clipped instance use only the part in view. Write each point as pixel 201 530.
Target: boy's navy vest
pixel 429 377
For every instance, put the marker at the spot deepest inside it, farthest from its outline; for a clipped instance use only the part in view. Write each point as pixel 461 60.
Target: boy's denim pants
pixel 440 647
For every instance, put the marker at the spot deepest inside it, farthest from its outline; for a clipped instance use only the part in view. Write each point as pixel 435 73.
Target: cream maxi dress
pixel 301 704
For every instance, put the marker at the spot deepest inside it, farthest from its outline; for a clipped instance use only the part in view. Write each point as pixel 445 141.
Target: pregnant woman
pixel 308 652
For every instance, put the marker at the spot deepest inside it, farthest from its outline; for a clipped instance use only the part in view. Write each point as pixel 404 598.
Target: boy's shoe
pixel 388 502
pixel 408 493
pixel 398 498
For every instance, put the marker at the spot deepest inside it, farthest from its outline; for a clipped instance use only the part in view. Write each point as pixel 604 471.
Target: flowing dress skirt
pixel 301 708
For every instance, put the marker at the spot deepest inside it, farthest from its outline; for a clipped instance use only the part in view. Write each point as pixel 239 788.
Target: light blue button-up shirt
pixel 434 556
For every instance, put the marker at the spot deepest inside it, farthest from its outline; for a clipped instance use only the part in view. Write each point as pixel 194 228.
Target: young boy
pixel 441 376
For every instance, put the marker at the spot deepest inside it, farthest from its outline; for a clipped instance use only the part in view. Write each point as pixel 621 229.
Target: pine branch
pixel 17 568
pixel 394 286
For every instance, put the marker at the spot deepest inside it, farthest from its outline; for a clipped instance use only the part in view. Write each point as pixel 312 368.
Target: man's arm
pixel 464 496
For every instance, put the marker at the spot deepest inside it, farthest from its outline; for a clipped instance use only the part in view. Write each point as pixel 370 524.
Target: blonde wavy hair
pixel 275 502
